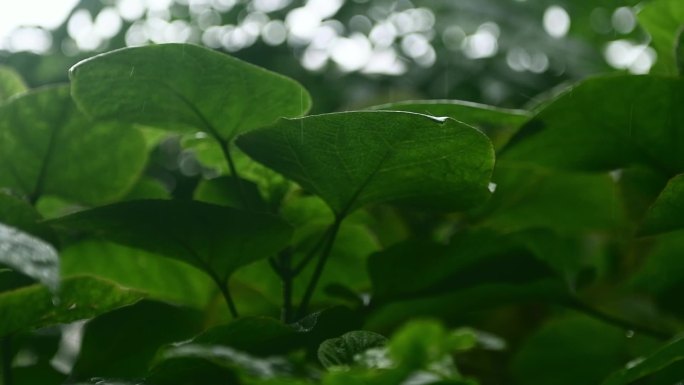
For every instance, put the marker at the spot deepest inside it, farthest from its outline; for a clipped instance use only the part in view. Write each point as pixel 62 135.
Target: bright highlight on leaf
pixel 29 255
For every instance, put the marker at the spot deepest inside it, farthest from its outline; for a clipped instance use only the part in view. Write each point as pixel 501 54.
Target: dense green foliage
pixel 420 242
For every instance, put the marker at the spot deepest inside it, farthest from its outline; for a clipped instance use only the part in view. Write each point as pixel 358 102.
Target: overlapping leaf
pixel 29 255
pixel 10 83
pixel 185 87
pixel 356 158
pixel 216 239
pixel 663 20
pixel 48 147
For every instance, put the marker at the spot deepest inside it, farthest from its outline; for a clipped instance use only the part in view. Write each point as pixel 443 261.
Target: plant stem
pixel 582 307
pixel 7 360
pixel 312 252
pixel 225 148
pixel 287 278
pixel 223 288
pixel 319 266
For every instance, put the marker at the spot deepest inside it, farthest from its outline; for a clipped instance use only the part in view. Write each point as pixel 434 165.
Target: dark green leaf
pixel 185 87
pixel 122 343
pixel 30 256
pixel 20 214
pixel 356 158
pixel 11 83
pixel 607 123
pixel 216 239
pixel 80 297
pixel 663 20
pixel 499 124
pixel 48 147
pixel 670 354
pixel 226 191
pixel 341 351
pixel 159 278
pixel 667 212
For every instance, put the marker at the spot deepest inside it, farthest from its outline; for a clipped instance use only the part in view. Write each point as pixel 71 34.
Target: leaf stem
pixel 6 347
pixel 312 252
pixel 587 309
pixel 320 265
pixel 225 292
pixel 287 276
pixel 225 148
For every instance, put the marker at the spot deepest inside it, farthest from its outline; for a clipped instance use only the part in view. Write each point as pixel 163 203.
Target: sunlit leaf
pixel 356 158
pixel 30 256
pixel 80 297
pixel 663 20
pixel 48 147
pixel 499 124
pixel 11 83
pixel 185 87
pixel 215 239
pixel 607 123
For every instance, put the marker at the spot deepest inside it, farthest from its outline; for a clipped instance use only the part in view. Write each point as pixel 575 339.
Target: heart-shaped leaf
pixel 185 87
pixel 499 124
pixel 10 83
pixel 623 120
pixel 79 297
pixel 48 147
pixel 216 239
pixel 356 158
pixel 29 255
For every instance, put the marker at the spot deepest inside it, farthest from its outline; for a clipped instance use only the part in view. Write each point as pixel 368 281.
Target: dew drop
pixel 629 333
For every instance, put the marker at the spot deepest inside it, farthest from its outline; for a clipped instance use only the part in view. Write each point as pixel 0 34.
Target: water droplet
pixel 629 333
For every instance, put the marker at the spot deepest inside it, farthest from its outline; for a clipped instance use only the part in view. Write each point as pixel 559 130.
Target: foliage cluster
pixel 421 242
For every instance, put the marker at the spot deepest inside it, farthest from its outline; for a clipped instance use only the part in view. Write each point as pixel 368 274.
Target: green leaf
pixel 216 239
pixel 670 354
pixel 679 50
pixel 341 351
pixel 185 87
pixel 80 297
pixel 416 268
pixel 607 123
pixel 226 191
pixel 356 158
pixel 499 124
pixel 11 83
pixel 663 20
pixel 30 256
pixel 159 278
pixel 20 214
pixel 48 147
pixel 667 212
pixel 122 343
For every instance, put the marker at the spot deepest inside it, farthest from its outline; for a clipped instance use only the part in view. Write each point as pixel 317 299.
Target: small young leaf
pixel 663 20
pixel 667 212
pixel 11 83
pixel 356 158
pixel 341 351
pixel 185 87
pixel 48 147
pixel 30 256
pixel 216 239
pixel 79 297
pixel 499 124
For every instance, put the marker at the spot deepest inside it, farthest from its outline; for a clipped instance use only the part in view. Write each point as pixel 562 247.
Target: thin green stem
pixel 6 347
pixel 582 307
pixel 225 292
pixel 308 294
pixel 312 252
pixel 225 148
pixel 287 279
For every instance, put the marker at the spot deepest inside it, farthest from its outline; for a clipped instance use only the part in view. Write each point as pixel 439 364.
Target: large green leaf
pixel 185 87
pixel 30 256
pixel 355 158
pixel 48 147
pixel 607 123
pixel 122 343
pixel 667 212
pixel 663 20
pixel 670 354
pixel 499 124
pixel 216 239
pixel 10 83
pixel 79 298
pixel 159 278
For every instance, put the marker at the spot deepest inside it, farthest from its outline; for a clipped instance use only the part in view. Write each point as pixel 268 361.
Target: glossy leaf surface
pixel 48 147
pixel 356 158
pixel 185 87
pixel 216 239
pixel 79 297
pixel 29 255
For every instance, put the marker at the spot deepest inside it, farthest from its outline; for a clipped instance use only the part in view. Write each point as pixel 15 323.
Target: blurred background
pixel 350 53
